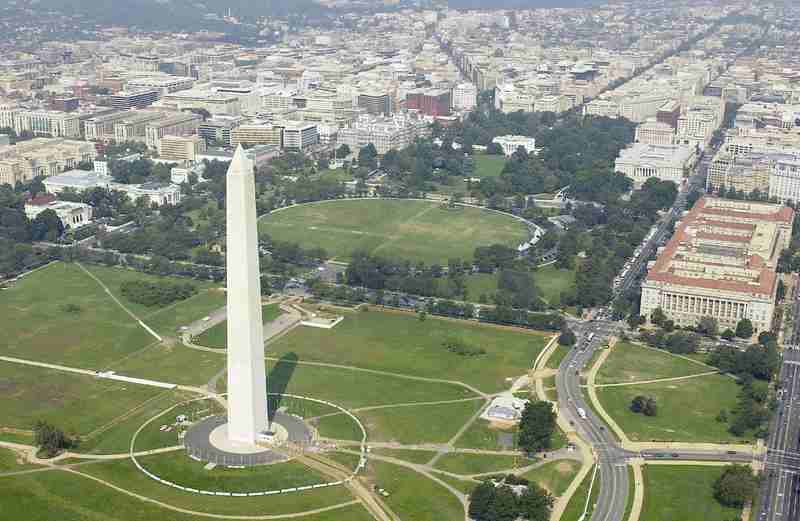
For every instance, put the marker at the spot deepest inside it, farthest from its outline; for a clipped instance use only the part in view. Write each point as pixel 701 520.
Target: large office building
pixel 784 179
pixel 720 263
pixel 299 136
pixel 375 102
pixel 138 99
pixel 429 102
pixel 41 157
pixel 46 123
pixel 465 96
pixel 385 134
pixel 641 161
pixel 181 148
pixel 176 124
pixel 743 172
pixel 72 215
pixel 653 132
pixel 257 134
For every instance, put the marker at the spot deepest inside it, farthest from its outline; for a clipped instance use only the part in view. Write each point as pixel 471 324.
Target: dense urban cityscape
pixel 400 260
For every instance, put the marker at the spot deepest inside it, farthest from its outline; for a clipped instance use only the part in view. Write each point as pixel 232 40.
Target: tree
pixel 343 151
pixel 50 439
pixel 645 405
pixel 728 334
pixel 46 226
pixel 708 326
pixel 368 157
pixel 494 149
pixel 736 486
pixel 744 328
pixel 536 426
pixel 567 337
pixel 480 501
pixel 658 317
pixel 535 504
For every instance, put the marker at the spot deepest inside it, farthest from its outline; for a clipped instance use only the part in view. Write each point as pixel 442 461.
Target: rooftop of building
pixel 656 155
pixel 725 245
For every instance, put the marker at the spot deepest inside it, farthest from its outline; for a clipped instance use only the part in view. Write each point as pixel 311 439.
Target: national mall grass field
pixel 405 229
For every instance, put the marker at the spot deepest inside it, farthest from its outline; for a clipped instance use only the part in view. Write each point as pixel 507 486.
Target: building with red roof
pixel 720 263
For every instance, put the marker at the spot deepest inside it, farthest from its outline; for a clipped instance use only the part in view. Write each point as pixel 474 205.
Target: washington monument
pixel 247 381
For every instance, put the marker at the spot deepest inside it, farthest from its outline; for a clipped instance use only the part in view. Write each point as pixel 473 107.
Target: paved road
pixel 613 472
pixel 780 493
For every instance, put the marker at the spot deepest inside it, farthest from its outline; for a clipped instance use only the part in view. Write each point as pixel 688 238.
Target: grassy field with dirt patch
pixel 554 476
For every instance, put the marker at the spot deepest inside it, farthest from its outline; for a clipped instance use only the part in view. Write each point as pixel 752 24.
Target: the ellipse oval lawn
pixel 394 228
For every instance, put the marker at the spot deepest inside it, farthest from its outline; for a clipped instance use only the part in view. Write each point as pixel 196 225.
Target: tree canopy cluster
pixel 51 440
pixel 536 427
pixel 644 405
pixel 736 486
pixel 160 294
pixel 510 499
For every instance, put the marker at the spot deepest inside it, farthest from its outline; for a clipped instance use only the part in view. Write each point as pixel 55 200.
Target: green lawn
pixel 488 165
pixel 414 230
pixel 414 456
pixel 217 336
pixel 174 363
pixel 178 467
pixel 100 335
pixel 551 281
pixel 124 474
pixel 555 360
pixel 555 476
pixel 468 464
pixel 352 389
pixel 68 497
pixel 577 503
pixel 683 493
pixel 418 424
pixel 77 404
pixel 36 325
pixel 480 436
pixel 463 485
pixel 114 277
pixel 401 343
pixel 686 409
pixel 152 437
pixel 480 284
pixel 413 496
pixel 338 427
pixel 168 320
pixel 117 438
pixel 631 363
pixel 339 175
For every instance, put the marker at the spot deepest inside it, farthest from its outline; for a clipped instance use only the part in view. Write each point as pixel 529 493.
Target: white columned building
pixel 247 381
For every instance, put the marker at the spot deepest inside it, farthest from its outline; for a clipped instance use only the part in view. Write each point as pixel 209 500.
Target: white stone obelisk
pixel 247 380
